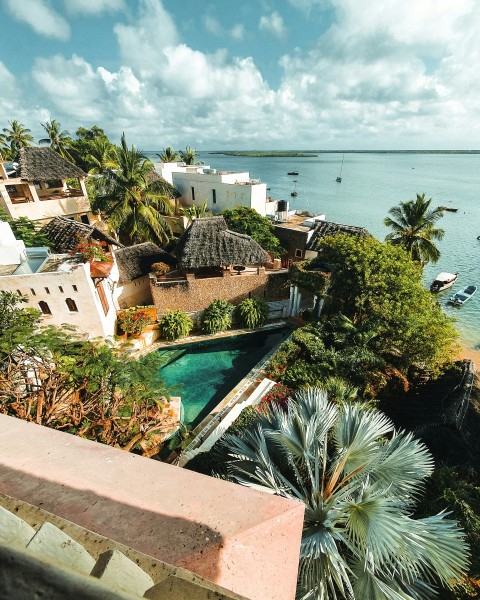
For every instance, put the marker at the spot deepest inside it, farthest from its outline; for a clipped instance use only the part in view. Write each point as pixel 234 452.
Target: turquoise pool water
pixel 203 373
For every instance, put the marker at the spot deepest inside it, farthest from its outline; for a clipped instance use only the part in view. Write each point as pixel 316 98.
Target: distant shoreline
pixel 312 153
pixel 264 154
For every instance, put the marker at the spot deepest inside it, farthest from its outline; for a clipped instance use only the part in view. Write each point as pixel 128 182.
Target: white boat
pixel 461 297
pixel 443 281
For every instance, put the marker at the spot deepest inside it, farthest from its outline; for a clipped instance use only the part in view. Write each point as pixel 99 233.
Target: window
pixel 193 194
pixel 84 219
pixel 75 289
pixel 61 289
pixel 33 292
pixel 72 307
pixel 214 196
pixel 103 297
pixel 43 306
pixel 298 253
pixel 47 290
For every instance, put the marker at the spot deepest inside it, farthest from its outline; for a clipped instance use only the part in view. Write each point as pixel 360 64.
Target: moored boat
pixel 461 297
pixel 292 173
pixel 443 281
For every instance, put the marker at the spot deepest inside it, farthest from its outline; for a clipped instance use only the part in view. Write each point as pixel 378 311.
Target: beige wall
pixel 134 293
pixel 194 295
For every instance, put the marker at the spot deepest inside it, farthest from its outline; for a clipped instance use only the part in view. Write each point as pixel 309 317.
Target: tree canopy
pixel 248 221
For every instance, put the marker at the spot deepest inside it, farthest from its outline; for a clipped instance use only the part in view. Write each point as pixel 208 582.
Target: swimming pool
pixel 203 373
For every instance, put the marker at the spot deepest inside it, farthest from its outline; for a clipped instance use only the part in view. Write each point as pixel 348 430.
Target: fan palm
pixel 413 224
pixel 16 137
pixel 169 155
pixel 133 201
pixel 57 139
pixel 359 489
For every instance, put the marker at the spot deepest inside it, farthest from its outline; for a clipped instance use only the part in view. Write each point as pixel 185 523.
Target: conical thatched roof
pixel 208 243
pixel 44 164
pixel 64 234
pixel 136 261
pixel 328 228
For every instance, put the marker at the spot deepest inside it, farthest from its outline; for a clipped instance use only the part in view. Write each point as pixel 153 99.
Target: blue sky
pixel 255 74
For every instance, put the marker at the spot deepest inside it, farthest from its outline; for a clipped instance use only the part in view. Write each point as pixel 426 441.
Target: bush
pixel 175 324
pixel 133 320
pixel 252 312
pixel 279 394
pixel 217 317
pixel 244 421
pixel 160 268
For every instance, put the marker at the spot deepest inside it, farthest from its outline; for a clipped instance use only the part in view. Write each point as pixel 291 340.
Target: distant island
pixel 266 154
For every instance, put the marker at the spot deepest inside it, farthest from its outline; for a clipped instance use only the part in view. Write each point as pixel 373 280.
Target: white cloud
pixel 94 7
pixel 238 32
pixel 40 16
pixel 273 24
pixel 213 26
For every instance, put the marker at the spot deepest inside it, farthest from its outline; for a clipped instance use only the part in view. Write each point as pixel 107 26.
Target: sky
pixel 253 74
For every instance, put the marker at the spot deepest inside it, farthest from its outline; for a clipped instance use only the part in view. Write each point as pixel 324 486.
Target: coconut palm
pixel 57 139
pixel 188 156
pixel 16 137
pixel 169 155
pixel 359 488
pixel 413 224
pixel 102 156
pixel 134 202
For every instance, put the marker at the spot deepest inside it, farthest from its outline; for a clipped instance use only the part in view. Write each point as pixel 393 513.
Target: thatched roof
pixel 328 228
pixel 64 234
pixel 44 164
pixel 208 243
pixel 136 261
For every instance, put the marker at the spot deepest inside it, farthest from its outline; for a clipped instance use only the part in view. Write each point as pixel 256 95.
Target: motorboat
pixel 339 178
pixel 292 173
pixel 443 281
pixel 461 297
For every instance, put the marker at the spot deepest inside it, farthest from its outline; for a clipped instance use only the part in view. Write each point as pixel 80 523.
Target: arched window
pixel 43 306
pixel 72 307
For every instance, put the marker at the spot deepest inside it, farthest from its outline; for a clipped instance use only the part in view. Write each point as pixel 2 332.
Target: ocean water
pixel 374 182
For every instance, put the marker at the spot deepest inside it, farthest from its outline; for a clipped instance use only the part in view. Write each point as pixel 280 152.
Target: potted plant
pixel 133 320
pixel 160 269
pixel 92 251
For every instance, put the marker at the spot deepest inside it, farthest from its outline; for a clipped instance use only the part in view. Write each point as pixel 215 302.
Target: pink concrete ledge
pixel 241 539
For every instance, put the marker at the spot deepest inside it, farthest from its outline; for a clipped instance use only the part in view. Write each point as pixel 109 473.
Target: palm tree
pixel 57 139
pixel 413 225
pixel 359 488
pixel 169 155
pixel 195 212
pixel 102 157
pixel 188 156
pixel 17 136
pixel 133 201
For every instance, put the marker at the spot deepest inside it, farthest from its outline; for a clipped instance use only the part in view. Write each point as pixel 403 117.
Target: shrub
pixel 160 268
pixel 244 421
pixel 252 312
pixel 91 250
pixel 217 317
pixel 133 320
pixel 175 324
pixel 279 394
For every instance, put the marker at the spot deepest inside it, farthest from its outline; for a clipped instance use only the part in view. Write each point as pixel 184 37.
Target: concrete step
pixel 119 572
pixel 13 530
pixel 177 588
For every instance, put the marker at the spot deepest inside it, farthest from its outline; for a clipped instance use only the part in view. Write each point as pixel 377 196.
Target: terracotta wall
pixel 194 295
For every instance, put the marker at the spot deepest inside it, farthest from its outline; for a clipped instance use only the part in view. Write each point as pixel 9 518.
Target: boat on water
pixel 449 208
pixel 292 173
pixel 339 178
pixel 443 281
pixel 461 297
pixel 294 193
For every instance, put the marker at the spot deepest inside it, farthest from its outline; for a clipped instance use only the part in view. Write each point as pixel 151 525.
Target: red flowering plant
pixel 92 250
pixel 133 320
pixel 279 394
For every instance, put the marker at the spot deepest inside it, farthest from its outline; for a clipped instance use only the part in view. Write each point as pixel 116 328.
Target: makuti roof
pixel 44 164
pixel 328 228
pixel 208 243
pixel 64 234
pixel 136 261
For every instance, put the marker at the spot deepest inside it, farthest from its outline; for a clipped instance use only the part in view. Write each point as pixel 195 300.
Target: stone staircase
pixel 46 562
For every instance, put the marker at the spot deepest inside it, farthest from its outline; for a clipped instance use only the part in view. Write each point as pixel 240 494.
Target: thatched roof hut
pixel 328 228
pixel 136 261
pixel 44 164
pixel 64 234
pixel 208 243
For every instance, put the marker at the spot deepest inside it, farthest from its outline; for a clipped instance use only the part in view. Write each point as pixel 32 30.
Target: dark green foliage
pixel 175 324
pixel 217 316
pixel 306 275
pixel 248 221
pixel 25 230
pixel 252 312
pixel 245 420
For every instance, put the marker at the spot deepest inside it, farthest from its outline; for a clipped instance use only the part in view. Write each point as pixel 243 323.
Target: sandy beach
pixel 470 353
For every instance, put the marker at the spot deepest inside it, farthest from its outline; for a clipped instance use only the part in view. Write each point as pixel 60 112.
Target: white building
pixel 65 290
pixel 220 189
pixel 36 187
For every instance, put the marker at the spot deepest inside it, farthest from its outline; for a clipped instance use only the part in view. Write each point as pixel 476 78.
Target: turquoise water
pixel 373 183
pixel 203 373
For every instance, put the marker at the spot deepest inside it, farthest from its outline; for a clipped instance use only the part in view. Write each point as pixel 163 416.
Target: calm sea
pixel 372 183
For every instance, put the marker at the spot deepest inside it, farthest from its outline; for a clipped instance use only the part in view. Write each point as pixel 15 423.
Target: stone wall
pixel 194 295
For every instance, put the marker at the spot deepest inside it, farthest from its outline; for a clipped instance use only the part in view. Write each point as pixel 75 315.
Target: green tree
pixel 360 481
pixel 248 221
pixel 134 202
pixel 15 137
pixel 82 146
pixel 101 157
pixel 169 155
pixel 188 156
pixel 25 230
pixel 252 312
pixel 217 316
pixel 58 139
pixel 175 324
pixel 195 212
pixel 413 225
